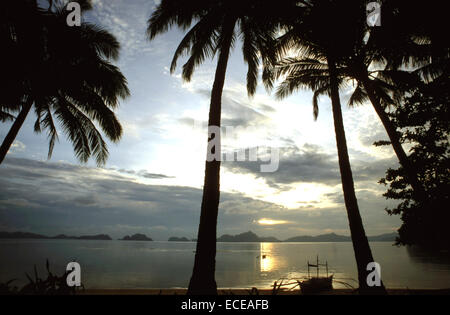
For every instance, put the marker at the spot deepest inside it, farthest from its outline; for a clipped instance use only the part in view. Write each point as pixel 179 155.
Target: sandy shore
pixel 260 292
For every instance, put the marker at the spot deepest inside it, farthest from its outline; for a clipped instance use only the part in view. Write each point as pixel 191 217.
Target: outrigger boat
pixel 316 284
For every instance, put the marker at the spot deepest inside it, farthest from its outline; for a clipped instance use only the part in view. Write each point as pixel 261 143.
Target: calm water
pixel 120 264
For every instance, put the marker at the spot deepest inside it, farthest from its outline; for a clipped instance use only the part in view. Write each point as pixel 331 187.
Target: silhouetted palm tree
pixel 378 86
pixel 69 79
pixel 325 36
pixel 410 37
pixel 16 21
pixel 214 32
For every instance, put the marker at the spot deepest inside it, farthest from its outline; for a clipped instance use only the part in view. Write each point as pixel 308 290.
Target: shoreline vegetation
pixel 247 237
pixel 254 291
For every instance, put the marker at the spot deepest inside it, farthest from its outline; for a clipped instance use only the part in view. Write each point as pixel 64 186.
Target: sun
pixel 265 221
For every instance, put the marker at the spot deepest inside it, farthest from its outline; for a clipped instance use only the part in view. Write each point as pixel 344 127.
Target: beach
pixel 231 292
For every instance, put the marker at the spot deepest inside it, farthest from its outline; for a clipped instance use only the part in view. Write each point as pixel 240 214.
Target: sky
pixel 152 181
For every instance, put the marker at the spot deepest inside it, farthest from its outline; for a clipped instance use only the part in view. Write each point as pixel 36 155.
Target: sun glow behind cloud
pixel 265 221
pixel 304 195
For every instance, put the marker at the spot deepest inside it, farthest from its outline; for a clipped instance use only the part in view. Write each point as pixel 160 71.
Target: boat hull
pixel 316 285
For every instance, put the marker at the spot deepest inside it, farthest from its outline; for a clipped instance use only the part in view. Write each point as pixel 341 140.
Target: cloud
pixel 127 21
pixel 17 146
pixel 371 133
pixel 85 201
pixel 153 175
pixel 296 165
pixel 143 173
pixel 310 164
pixel 238 110
pixel 53 198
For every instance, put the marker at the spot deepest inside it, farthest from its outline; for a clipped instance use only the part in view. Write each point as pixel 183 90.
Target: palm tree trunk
pixel 395 139
pixel 363 253
pixel 203 280
pixel 12 134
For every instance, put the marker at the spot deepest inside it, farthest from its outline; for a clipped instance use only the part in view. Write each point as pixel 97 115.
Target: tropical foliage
pixel 66 74
pixel 424 121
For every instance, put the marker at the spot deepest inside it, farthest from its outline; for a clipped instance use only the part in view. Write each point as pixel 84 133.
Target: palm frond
pixel 205 47
pixel 250 52
pixel 175 12
pixel 104 43
pixel 5 115
pixel 205 27
pixel 93 106
pixel 358 97
pixel 315 100
pixel 433 70
pixel 85 137
pixel 105 78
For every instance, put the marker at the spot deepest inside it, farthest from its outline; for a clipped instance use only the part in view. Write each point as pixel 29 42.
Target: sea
pixel 148 265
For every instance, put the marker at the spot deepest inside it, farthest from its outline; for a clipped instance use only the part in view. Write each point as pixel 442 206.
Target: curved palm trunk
pixel 394 138
pixel 12 134
pixel 361 247
pixel 203 280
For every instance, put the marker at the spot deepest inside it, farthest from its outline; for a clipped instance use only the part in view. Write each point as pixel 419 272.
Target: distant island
pixel 84 237
pixel 331 237
pixel 178 239
pixel 246 237
pixel 136 237
pixel 243 237
pixel 26 235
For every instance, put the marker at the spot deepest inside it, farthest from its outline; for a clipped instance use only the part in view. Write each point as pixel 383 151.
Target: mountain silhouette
pixel 27 235
pixel 330 237
pixel 136 237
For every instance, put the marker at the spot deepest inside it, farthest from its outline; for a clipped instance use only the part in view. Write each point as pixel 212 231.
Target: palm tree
pixel 378 86
pixel 410 37
pixel 15 49
pixel 400 42
pixel 70 80
pixel 214 32
pixel 324 49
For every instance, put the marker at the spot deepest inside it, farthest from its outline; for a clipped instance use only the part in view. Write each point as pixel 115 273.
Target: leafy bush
pixel 52 285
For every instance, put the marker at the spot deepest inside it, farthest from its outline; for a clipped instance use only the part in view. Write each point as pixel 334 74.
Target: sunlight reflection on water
pixel 119 264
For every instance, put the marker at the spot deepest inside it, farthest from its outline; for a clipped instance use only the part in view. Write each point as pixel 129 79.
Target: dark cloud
pixel 143 173
pixel 131 172
pixel 153 175
pixel 310 164
pixel 85 201
pixel 53 198
pixel 88 198
pixel 337 198
pixel 306 165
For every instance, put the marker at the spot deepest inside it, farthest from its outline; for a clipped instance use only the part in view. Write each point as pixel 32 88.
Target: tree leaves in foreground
pixel 65 73
pixel 424 118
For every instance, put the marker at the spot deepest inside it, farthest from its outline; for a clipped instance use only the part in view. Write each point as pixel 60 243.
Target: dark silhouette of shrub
pixel 52 285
